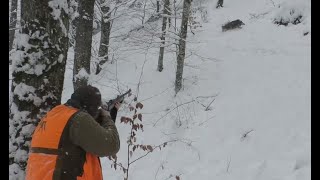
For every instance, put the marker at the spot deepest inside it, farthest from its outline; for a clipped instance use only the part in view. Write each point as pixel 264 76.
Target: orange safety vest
pixel 49 159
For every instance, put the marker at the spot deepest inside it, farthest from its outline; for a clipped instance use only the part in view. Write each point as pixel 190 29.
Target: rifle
pixel 110 104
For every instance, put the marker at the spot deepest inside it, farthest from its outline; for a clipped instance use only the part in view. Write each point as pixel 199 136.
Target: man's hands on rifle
pixel 117 105
pixel 113 105
pixel 114 111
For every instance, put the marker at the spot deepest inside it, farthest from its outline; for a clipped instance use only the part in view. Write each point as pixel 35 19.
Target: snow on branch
pixel 57 7
pixel 27 93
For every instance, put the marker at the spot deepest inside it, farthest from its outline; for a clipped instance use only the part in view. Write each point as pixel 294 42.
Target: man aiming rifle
pixel 67 143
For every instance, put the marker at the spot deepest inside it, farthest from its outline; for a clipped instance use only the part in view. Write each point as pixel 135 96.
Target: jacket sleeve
pixel 99 139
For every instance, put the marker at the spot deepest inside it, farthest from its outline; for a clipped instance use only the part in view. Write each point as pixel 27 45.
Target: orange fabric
pixel 47 134
pixel 40 166
pixel 92 168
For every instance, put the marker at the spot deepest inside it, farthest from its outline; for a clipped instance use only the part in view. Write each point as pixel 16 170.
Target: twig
pixel 171 111
pixel 117 80
pixel 161 166
pixel 205 58
pixel 139 157
pixel 200 124
pixel 155 95
pixel 180 123
pixel 151 151
pixel 228 165
pixel 245 134
pixel 207 108
pixel 138 86
pixel 118 164
pixel 273 3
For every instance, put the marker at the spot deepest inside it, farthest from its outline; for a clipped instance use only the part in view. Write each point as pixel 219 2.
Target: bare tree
pixel 105 35
pixel 38 74
pixel 12 21
pixel 182 44
pixel 164 28
pixel 83 41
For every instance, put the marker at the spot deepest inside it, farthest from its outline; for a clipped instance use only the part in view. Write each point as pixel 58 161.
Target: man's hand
pixel 104 113
pixel 117 105
pixel 114 110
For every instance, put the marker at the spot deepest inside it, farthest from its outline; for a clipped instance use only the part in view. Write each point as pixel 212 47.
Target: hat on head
pixel 87 98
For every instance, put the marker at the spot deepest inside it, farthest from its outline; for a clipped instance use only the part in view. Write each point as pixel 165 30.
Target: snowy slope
pixel 259 77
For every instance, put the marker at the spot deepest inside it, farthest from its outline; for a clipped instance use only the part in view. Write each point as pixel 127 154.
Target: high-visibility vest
pixel 52 155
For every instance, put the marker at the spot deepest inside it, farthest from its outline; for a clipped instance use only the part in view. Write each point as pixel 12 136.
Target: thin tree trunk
pixel 144 13
pixel 12 22
pixel 73 9
pixel 158 6
pixel 169 14
pixel 182 44
pixel 105 36
pixel 82 51
pixel 163 38
pixel 175 25
pixel 38 74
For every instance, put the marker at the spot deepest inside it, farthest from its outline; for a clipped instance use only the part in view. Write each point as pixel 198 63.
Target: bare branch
pixel 158 146
pixel 138 86
pixel 208 107
pixel 273 3
pixel 245 134
pixel 228 165
pixel 171 111
pixel 155 95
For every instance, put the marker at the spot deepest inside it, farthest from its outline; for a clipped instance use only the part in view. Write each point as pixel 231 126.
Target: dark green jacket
pixel 101 139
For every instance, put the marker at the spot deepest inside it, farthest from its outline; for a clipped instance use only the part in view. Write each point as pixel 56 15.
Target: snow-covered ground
pixel 257 81
pixel 259 78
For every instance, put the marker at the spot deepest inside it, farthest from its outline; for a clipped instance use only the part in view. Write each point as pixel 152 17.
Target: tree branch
pixel 171 111
pixel 158 146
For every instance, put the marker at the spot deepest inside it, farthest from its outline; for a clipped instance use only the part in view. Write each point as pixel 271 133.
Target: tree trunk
pixel 158 6
pixel 12 22
pixel 219 4
pixel 73 11
pixel 38 74
pixel 169 14
pixel 163 38
pixel 82 51
pixel 105 36
pixel 182 44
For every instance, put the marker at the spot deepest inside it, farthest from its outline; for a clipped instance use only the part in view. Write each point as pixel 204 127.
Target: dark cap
pixel 87 98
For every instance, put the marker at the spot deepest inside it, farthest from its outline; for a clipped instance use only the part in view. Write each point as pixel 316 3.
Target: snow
pixel 82 74
pixel 259 77
pixel 18 115
pixel 21 156
pixel 15 172
pixel 27 130
pixel 57 6
pixel 73 9
pixel 288 12
pixel 244 111
pixel 27 93
pixel 12 148
pixel 34 66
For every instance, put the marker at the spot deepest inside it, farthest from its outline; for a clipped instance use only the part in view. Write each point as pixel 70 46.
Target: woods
pixel 49 29
pixel 178 89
